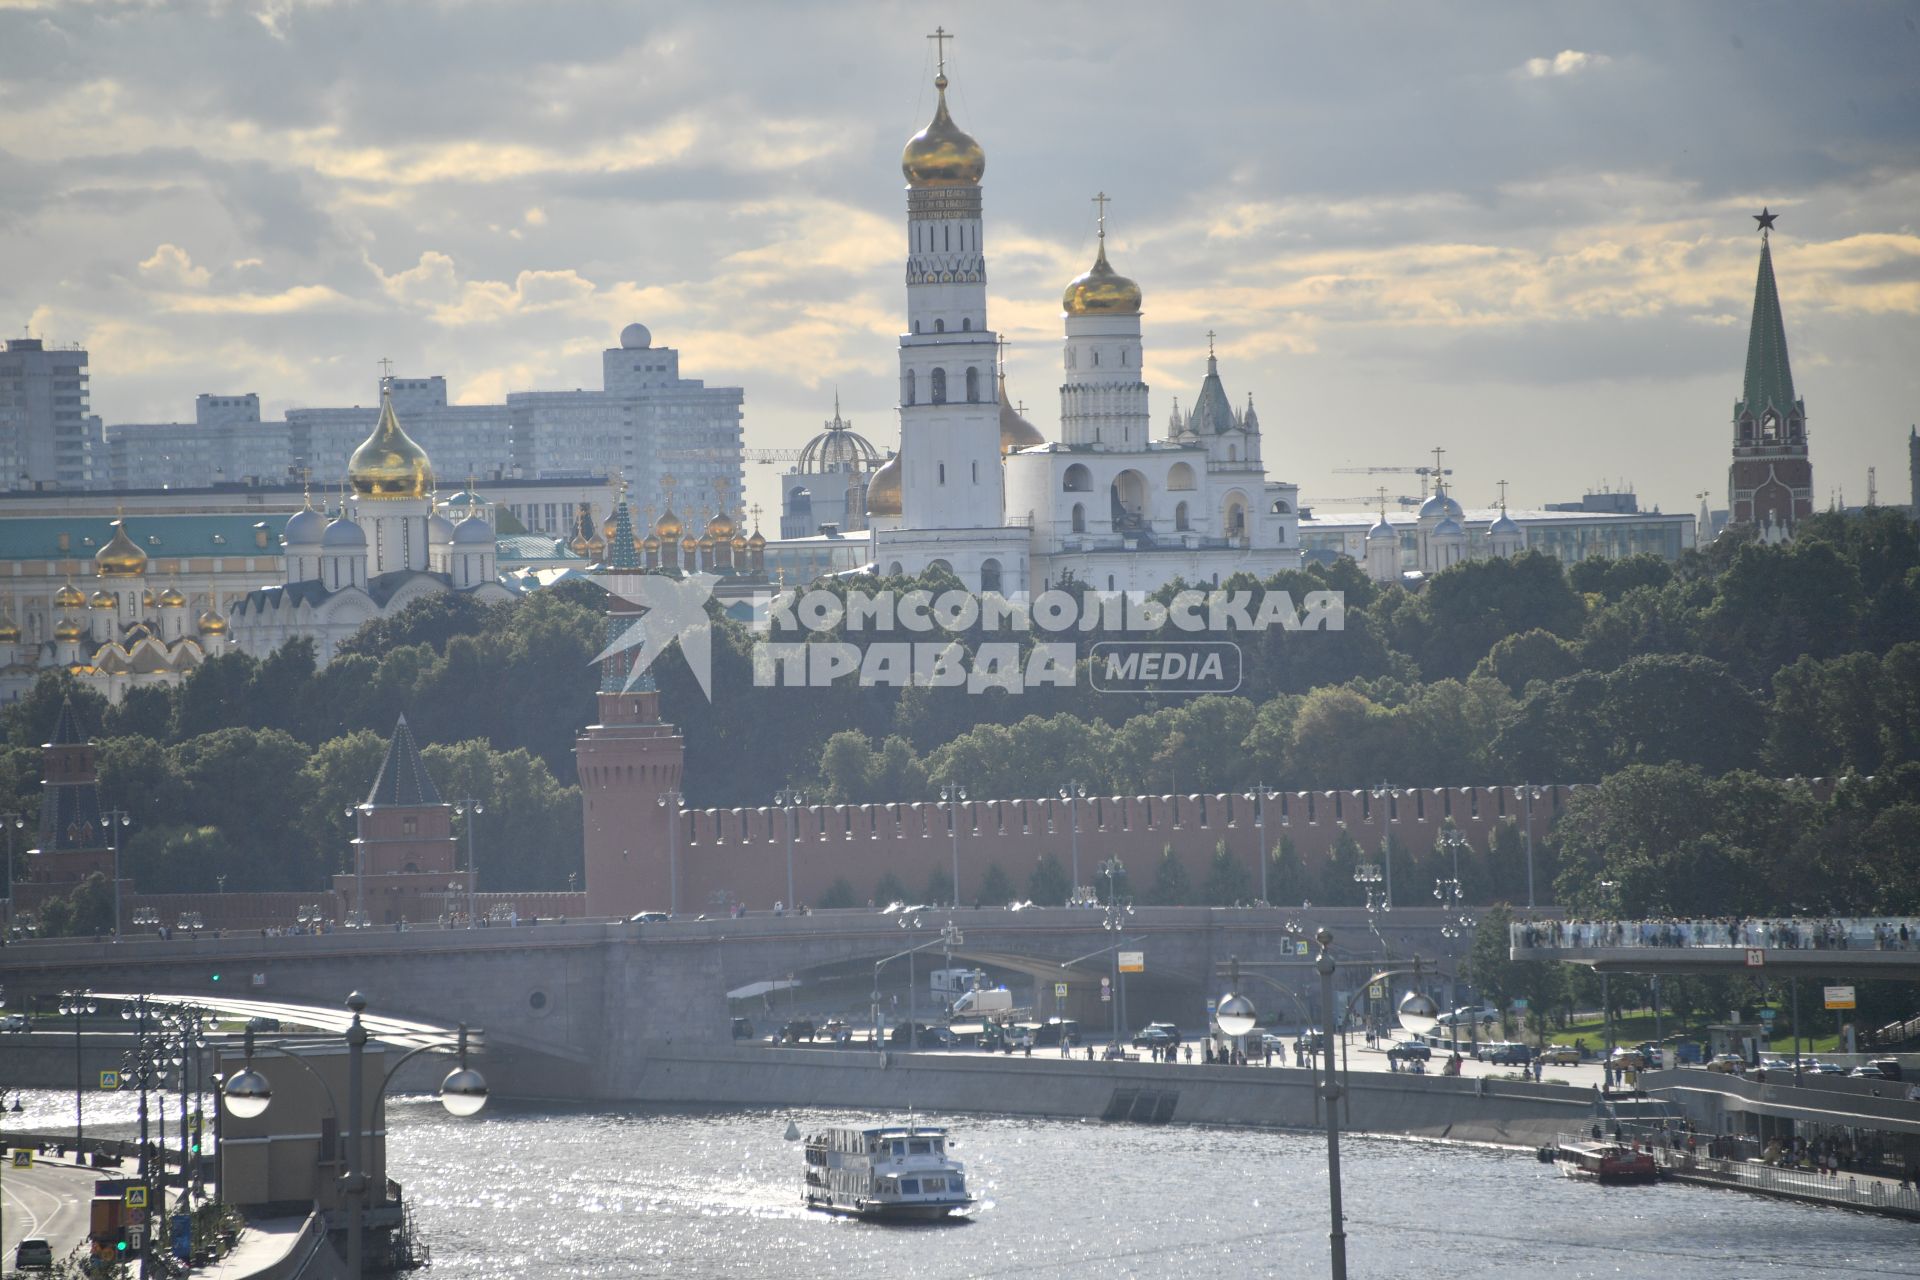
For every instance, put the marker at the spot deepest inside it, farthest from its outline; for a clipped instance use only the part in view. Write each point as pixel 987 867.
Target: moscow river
pixel 526 1192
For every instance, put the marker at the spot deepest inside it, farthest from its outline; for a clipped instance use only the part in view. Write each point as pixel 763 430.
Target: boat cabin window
pixel 899 1149
pixel 910 1186
pixel 920 1147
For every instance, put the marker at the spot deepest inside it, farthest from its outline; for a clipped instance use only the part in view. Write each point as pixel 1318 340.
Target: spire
pixel 1212 413
pixel 66 729
pixel 403 779
pixel 621 556
pixel 1769 380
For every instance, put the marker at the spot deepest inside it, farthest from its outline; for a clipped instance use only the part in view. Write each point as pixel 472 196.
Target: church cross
pixel 386 367
pixel 1102 199
pixel 1209 344
pixel 1383 502
pixel 940 37
pixel 1438 453
pixel 1503 495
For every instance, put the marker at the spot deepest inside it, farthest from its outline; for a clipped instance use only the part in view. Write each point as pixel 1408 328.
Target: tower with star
pixel 1770 482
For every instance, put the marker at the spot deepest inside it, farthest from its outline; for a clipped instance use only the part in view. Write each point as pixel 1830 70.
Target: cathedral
pixel 385 547
pixel 976 489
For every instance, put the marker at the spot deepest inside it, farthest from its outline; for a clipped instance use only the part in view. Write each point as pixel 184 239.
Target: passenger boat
pixel 887 1173
pixel 1606 1162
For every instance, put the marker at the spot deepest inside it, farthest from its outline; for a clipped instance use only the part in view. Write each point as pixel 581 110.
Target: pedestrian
pixel 1186 1051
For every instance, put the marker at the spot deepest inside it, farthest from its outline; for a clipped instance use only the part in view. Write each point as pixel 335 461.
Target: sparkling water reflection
pixel 554 1192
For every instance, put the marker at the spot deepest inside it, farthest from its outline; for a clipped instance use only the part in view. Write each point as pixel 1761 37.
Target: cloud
pixel 170 267
pixel 300 298
pixel 1567 62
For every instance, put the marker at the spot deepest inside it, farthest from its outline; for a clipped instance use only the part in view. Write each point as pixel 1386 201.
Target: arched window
pixel 989 575
pixel 1180 517
pixel 1123 357
pixel 966 324
pixel 1236 520
pixel 1096 357
pixel 893 570
pixel 939 326
pixel 916 326
pixel 973 385
pixel 943 473
pixel 1233 453
pixel 1077 479
pixel 1079 517
pixel 1281 507
pixel 939 386
pixel 1180 476
pixel 910 387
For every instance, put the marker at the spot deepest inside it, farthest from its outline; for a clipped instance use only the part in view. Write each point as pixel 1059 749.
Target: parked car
pixel 33 1254
pixel 797 1030
pixel 1512 1053
pixel 16 1022
pixel 742 1029
pixel 1561 1055
pixel 1869 1071
pixel 263 1024
pixel 1407 1051
pixel 1156 1035
pixel 647 917
pixel 1628 1060
pixel 1731 1064
pixel 1053 1030
pixel 1889 1067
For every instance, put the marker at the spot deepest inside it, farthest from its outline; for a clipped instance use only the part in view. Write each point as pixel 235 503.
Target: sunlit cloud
pixel 1567 62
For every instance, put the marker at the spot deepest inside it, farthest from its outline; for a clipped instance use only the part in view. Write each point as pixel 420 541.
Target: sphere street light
pixel 247 1094
pixel 954 796
pixel 787 798
pixel 470 809
pixel 671 802
pixel 1073 793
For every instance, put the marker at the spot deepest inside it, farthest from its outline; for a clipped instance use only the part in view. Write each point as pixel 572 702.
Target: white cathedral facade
pixel 382 550
pixel 977 490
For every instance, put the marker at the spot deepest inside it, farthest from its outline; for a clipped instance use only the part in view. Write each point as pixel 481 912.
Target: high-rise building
pixel 46 431
pixel 463 439
pixel 226 442
pixel 1770 483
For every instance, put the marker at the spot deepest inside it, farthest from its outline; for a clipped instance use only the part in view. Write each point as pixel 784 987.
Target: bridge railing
pixel 1828 933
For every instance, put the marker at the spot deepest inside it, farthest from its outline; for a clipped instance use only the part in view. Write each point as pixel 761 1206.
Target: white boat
pixel 890 1172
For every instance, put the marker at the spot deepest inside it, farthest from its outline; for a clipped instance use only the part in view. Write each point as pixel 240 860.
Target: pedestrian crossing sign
pixel 136 1197
pixel 109 1079
pixel 1059 991
pixel 23 1159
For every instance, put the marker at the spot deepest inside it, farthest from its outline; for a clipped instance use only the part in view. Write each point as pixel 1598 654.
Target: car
pixel 1467 1015
pixel 647 917
pixel 1889 1067
pixel 1731 1064
pixel 33 1254
pixel 1822 1068
pixel 1054 1030
pixel 263 1024
pixel 1407 1051
pixel 16 1022
pixel 1511 1053
pixel 797 1030
pixel 1156 1035
pixel 1628 1060
pixel 1868 1071
pixel 1560 1055
pixel 742 1029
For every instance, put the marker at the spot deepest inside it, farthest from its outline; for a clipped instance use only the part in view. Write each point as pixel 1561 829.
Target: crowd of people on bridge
pixel 1829 934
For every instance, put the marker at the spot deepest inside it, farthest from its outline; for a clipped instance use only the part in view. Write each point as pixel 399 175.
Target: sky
pixel 1521 232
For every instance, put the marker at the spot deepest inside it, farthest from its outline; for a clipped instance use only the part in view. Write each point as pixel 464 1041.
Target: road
pixel 49 1200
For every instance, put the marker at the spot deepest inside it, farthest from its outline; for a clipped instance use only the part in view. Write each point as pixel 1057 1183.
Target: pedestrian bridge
pixel 1825 946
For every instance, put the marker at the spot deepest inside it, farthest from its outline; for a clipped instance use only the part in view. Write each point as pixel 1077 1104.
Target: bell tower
pixel 1770 482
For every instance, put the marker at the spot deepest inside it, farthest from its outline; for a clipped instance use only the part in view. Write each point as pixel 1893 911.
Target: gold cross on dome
pixel 1209 343
pixel 1438 453
pixel 1101 200
pixel 1503 495
pixel 386 367
pixel 940 37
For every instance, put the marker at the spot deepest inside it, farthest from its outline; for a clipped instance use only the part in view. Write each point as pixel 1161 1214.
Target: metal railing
pixel 1838 933
pixel 1849 1188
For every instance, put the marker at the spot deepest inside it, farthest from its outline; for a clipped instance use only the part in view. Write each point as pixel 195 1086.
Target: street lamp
pixel 14 822
pixel 464 1091
pixel 953 796
pixel 1113 921
pixel 671 802
pixel 1073 793
pixel 1529 793
pixel 115 819
pixel 950 937
pixel 142 1065
pixel 1235 1014
pixel 1453 927
pixel 1260 795
pixel 470 809
pixel 1387 794
pixel 787 799
pixel 76 1004
pixel 358 919
pixel 1331 1090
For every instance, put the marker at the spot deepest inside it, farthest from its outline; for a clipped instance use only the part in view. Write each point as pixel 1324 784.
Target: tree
pixel 996 888
pixel 939 888
pixel 1519 660
pixel 1047 885
pixel 87 911
pixel 1171 886
pixel 1227 881
pixel 839 894
pixel 889 890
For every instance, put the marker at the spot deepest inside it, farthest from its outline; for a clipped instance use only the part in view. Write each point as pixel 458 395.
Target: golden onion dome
pixel 651 546
pixel 388 464
pixel 9 631
pixel 147 599
pixel 757 542
pixel 120 558
pixel 172 599
pixel 883 490
pixel 689 544
pixel 1101 291
pixel 578 544
pixel 942 154
pixel 1016 433
pixel 68 629
pixel 668 525
pixel 739 541
pixel 69 597
pixel 102 600
pixel 606 529
pixel 212 624
pixel 596 549
pixel 720 528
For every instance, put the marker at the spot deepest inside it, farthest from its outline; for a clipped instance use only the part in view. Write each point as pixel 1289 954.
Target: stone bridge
pixel 571 1010
pixel 1875 947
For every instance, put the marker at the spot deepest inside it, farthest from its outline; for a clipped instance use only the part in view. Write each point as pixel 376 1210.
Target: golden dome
pixel 883 490
pixel 120 558
pixel 172 599
pixel 668 525
pixel 69 597
pixel 689 544
pixel 606 529
pixel 9 631
pixel 651 546
pixel 388 464
pixel 1016 433
pixel 147 600
pixel 739 542
pixel 1101 291
pixel 942 154
pixel 596 549
pixel 212 624
pixel 579 544
pixel 68 629
pixel 102 600
pixel 720 528
pixel 757 542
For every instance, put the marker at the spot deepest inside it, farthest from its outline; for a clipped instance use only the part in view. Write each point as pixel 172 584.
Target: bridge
pixel 1785 947
pixel 572 1010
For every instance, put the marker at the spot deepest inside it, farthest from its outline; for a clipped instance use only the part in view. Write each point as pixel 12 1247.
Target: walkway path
pixel 51 1200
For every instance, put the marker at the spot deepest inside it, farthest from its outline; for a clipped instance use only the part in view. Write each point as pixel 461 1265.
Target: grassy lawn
pixel 1632 1028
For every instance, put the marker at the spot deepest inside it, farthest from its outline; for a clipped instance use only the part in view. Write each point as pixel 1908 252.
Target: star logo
pixel 1765 219
pixel 673 609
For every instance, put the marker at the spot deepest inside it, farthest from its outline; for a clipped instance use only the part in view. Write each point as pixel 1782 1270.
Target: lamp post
pixel 1115 919
pixel 76 1004
pixel 1388 795
pixel 471 809
pixel 788 799
pixel 953 796
pixel 14 822
pixel 1455 926
pixel 1073 793
pixel 671 802
pixel 1529 793
pixel 1260 795
pixel 115 819
pixel 1331 1090
pixel 950 937
pixel 140 1064
pixel 359 917
pixel 464 1091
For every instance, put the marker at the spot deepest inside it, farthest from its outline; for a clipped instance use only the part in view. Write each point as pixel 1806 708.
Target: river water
pixel 537 1192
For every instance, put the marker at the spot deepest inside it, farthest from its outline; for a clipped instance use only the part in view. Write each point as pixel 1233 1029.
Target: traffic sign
pixel 109 1079
pixel 135 1197
pixel 1376 992
pixel 1059 991
pixel 136 1237
pixel 1839 997
pixel 23 1158
pixel 1756 957
pixel 1766 1015
pixel 1133 962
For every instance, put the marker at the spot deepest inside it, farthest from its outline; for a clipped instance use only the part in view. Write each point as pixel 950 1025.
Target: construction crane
pixel 768 457
pixel 1433 472
pixel 1371 500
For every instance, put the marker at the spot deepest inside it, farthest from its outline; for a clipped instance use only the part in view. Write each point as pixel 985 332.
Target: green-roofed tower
pixel 1770 483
